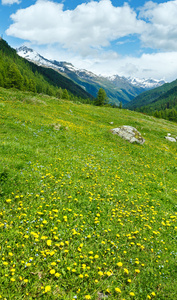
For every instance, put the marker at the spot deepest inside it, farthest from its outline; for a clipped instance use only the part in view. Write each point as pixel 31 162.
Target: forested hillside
pixel 160 102
pixel 164 106
pixel 16 72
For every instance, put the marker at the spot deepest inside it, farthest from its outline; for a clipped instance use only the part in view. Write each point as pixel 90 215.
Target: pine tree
pixel 65 94
pixel 101 97
pixel 59 93
pixel 15 79
pixel 32 86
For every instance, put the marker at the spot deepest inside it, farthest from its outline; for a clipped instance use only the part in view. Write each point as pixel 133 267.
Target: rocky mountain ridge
pixel 118 89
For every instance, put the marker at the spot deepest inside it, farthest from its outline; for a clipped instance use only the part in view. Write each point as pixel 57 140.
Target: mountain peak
pixel 118 88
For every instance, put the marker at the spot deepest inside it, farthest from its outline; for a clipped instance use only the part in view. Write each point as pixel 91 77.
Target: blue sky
pixel 129 38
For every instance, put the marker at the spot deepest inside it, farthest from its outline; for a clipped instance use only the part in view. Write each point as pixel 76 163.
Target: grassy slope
pixel 83 212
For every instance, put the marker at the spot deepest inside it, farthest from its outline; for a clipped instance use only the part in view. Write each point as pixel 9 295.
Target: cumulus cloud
pixel 10 2
pixel 158 65
pixel 89 26
pixel 161 29
pixel 84 35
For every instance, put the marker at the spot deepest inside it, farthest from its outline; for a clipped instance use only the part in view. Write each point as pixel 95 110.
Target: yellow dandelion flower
pixel 119 264
pixel 126 271
pixel 57 275
pixel 47 288
pixel 12 279
pixel 49 242
pixel 52 271
pixel 109 273
pixel 12 270
pixel 8 200
pixel 100 273
pixel 87 297
pixel 153 294
pixel 96 281
pixel 137 271
pixel 132 294
pixel 117 290
pixel 28 264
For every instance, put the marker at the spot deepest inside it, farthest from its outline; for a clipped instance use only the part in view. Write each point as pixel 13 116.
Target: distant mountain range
pixel 118 89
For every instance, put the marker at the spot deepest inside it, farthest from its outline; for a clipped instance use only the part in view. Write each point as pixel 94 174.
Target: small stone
pixel 169 138
pixel 101 296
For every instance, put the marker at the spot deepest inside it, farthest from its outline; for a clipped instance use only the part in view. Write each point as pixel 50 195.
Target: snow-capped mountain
pixel 118 89
pixel 146 83
pixel 35 57
pixel 62 66
pixel 138 82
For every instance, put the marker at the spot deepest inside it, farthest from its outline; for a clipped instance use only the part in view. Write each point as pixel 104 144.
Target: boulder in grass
pixel 129 133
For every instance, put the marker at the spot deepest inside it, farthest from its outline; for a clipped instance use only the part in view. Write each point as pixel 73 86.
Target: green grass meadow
pixel 83 213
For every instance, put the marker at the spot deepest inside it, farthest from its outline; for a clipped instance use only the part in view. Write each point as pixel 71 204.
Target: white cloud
pixel 161 29
pixel 160 65
pixel 10 2
pixel 83 35
pixel 89 26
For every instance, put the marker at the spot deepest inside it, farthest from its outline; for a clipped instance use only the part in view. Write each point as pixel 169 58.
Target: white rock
pixel 129 133
pixel 171 139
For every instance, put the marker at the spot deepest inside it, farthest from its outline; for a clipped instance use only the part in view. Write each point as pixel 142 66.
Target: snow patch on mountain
pixel 146 83
pixel 138 82
pixel 35 57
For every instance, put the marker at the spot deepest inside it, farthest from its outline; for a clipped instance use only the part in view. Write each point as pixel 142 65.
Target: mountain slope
pixel 118 89
pixel 17 72
pixel 152 95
